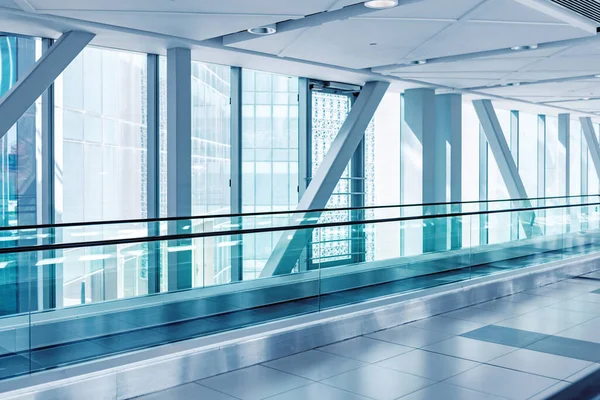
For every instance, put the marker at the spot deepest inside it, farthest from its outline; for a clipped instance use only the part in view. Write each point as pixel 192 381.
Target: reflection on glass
pixel 100 128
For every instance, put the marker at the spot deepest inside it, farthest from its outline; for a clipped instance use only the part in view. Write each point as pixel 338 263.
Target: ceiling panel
pixel 349 43
pixel 544 89
pixel 475 37
pixel 192 26
pixel 302 7
pixel 473 65
pixel 572 64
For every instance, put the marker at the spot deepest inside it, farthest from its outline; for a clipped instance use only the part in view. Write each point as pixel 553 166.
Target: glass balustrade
pixel 76 292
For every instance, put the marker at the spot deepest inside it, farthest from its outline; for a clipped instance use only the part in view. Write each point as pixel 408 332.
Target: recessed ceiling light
pixel 381 4
pixel 372 44
pixel 597 76
pixel 416 62
pixel 527 47
pixel 585 98
pixel 263 30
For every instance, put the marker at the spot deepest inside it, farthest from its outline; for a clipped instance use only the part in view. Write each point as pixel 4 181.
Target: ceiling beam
pixel 387 69
pixel 309 21
pixel 539 82
pixel 561 13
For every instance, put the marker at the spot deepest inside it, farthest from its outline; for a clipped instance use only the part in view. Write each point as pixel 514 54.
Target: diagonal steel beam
pixel 310 21
pixel 28 88
pixel 506 164
pixel 292 243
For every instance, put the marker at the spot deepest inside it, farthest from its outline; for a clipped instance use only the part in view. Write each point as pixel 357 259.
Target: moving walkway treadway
pixel 126 272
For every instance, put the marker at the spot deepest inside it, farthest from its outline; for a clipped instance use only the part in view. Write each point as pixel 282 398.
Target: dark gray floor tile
pixel 566 347
pixel 506 336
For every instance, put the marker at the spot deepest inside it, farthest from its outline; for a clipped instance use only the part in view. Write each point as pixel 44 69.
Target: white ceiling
pixel 346 50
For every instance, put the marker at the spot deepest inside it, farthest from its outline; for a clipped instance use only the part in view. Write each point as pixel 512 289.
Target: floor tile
pixel 567 316
pixel 539 325
pixel 525 298
pixel 549 292
pixel 504 335
pixel 534 362
pixel 508 307
pixel 428 365
pixel 502 382
pixel 479 315
pixel 317 391
pixel 583 373
pixel 315 365
pixel 447 325
pixel 589 297
pixel 543 395
pixel 587 333
pixel 448 392
pixel 581 306
pixel 566 347
pixel 409 336
pixel 254 383
pixel 378 383
pixel 470 349
pixel 185 392
pixel 365 349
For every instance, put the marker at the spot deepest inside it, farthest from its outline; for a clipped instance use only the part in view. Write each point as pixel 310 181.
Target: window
pixel 269 156
pixel 100 128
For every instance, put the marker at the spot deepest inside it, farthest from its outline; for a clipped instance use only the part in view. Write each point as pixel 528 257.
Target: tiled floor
pixel 525 346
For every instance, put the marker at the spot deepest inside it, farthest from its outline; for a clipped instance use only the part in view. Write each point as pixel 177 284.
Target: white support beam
pixel 506 164
pixel 592 142
pixel 179 161
pixel 309 21
pixel 292 243
pixel 28 88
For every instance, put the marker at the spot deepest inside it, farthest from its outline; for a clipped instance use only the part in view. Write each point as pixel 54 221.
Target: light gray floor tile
pixel 317 391
pixel 534 362
pixel 479 315
pixel 444 391
pixel 254 383
pixel 502 382
pixel 470 349
pixel 589 297
pixel 568 287
pixel 525 298
pixel 549 292
pixel 550 391
pixel 508 307
pixel 447 325
pixel 588 333
pixel 185 392
pixel 583 373
pixel 410 336
pixel 365 349
pixel 315 365
pixel 428 365
pixel 539 325
pixel 378 383
pixel 568 316
pixel 581 306
pixel 592 322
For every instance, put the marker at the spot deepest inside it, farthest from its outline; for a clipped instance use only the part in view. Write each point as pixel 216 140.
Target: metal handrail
pixel 263 213
pixel 185 236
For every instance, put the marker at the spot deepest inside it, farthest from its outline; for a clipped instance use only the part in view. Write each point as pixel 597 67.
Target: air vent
pixel 587 8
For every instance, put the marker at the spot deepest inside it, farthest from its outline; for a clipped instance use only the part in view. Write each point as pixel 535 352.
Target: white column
pixel 179 162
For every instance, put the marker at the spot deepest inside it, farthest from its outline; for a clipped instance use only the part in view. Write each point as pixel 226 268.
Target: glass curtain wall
pixel 101 160
pixel 269 156
pixel 211 167
pixel 19 184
